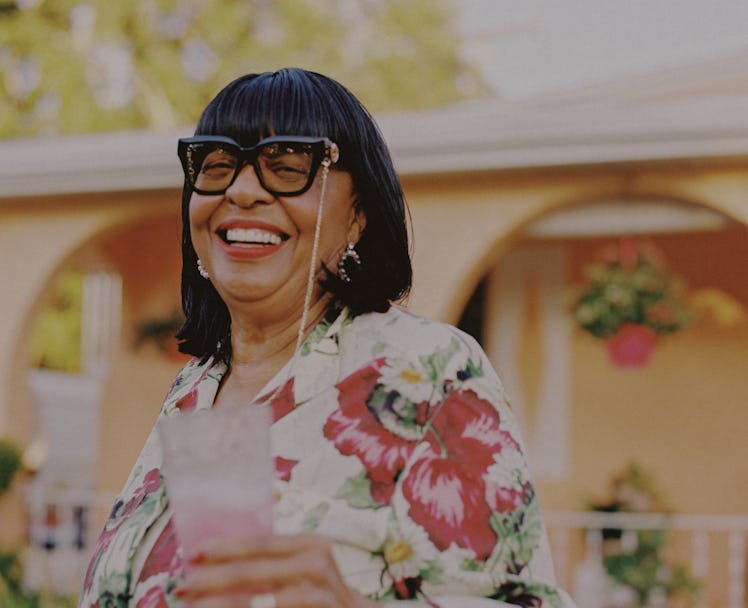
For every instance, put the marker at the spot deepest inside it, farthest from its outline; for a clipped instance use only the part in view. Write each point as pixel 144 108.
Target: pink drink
pixel 218 472
pixel 212 513
pixel 199 523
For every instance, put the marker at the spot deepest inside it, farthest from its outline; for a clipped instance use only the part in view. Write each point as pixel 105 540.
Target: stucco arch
pixel 45 238
pixel 721 203
pixel 703 365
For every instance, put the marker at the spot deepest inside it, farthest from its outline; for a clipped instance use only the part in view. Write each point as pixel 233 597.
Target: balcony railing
pixel 712 546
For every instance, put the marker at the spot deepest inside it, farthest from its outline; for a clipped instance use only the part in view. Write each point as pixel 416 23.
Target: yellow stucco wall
pixel 461 227
pixel 39 237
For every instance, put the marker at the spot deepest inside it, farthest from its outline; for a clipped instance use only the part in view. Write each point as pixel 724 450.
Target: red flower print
pixel 283 467
pixel 446 489
pixel 154 598
pixel 407 588
pixel 469 429
pixel 283 402
pixel 151 483
pixel 163 557
pixel 188 402
pixel 356 431
pixel 120 512
pixel 503 500
pixel 448 500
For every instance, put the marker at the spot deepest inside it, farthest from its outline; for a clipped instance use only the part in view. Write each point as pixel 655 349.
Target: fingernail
pixel 198 558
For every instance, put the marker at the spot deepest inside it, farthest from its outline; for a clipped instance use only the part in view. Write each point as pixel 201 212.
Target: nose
pixel 247 189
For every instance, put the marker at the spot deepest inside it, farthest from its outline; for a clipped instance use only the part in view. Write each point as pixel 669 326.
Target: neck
pixel 259 340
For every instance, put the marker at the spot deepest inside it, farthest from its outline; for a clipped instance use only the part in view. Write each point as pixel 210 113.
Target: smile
pixel 251 237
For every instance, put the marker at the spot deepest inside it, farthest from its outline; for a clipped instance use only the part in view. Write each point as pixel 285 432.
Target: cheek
pixel 199 211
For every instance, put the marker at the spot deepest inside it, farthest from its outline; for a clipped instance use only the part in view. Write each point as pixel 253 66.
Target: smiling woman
pixel 399 470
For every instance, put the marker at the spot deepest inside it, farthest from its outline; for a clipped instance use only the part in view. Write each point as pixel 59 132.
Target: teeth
pixel 252 235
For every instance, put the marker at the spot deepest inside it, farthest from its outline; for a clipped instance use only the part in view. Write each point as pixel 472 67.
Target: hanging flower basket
pixel 629 300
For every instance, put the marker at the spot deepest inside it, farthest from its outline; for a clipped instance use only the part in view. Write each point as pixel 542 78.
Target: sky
pixel 528 47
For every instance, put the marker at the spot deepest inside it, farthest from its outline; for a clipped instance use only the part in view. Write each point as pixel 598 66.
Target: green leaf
pixel 315 516
pixel 436 363
pixel 356 491
pixel 433 572
pixel 519 534
pixel 475 371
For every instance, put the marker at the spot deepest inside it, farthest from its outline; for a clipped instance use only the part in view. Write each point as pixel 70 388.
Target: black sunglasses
pixel 285 164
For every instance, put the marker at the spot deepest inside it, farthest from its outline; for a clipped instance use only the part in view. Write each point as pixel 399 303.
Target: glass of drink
pixel 218 472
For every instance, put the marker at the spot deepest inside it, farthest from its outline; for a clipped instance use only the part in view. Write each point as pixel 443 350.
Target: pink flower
pixel 447 490
pixel 283 402
pixel 155 598
pixel 356 431
pixel 163 557
pixel 151 483
pixel 469 429
pixel 188 402
pixel 448 500
pixel 283 467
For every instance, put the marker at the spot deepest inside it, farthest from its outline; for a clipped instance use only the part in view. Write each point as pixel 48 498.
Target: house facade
pixel 510 202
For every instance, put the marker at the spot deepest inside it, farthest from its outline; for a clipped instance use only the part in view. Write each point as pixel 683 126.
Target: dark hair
pixel 293 101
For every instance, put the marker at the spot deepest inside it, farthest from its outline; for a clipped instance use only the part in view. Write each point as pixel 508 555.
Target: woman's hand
pixel 299 571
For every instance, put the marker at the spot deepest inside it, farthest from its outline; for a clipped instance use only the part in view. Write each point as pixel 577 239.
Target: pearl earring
pixel 201 269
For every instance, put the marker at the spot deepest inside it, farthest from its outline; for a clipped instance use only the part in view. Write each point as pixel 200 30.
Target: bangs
pixel 256 106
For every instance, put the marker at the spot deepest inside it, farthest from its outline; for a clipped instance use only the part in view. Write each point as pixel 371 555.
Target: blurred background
pixel 578 179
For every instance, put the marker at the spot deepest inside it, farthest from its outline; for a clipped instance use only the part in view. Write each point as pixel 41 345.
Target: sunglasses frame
pixel 323 151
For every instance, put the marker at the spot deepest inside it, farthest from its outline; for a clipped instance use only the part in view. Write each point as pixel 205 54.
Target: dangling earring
pixel 352 254
pixel 201 269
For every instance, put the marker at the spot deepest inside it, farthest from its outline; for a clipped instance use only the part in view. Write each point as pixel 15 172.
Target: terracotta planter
pixel 631 345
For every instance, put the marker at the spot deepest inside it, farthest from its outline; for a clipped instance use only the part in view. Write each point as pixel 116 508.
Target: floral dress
pixel 393 437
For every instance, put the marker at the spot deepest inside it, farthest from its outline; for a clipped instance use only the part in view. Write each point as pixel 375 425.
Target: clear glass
pixel 218 472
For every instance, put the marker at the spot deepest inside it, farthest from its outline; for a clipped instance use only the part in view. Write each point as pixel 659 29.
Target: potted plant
pixel 629 300
pixel 643 569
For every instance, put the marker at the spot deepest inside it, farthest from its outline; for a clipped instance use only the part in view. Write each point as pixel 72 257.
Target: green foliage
pixel 68 66
pixel 10 463
pixel 12 594
pixel 643 569
pixel 56 341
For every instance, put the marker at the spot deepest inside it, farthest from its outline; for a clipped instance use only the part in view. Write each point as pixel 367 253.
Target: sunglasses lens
pixel 212 167
pixel 286 167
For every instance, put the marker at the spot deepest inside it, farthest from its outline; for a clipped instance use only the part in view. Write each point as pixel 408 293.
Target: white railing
pixel 63 527
pixel 716 553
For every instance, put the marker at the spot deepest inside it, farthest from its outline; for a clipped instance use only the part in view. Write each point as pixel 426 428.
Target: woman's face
pixel 257 247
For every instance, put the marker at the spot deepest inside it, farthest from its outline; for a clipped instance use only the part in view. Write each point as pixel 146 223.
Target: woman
pixel 399 469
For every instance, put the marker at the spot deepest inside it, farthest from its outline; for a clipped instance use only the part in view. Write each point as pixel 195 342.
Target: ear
pixel 358 223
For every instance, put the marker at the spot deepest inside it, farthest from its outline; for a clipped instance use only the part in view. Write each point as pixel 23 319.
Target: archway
pixel 91 445
pixel 585 417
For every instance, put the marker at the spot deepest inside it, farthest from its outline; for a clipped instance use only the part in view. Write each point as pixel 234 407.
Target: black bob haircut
pixel 293 101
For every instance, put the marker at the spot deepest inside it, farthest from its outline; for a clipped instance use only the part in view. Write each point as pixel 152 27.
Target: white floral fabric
pixel 392 435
